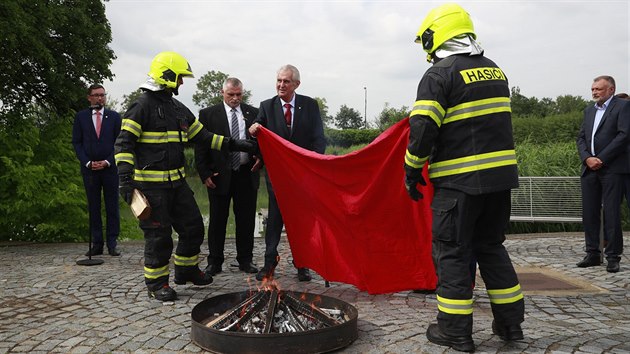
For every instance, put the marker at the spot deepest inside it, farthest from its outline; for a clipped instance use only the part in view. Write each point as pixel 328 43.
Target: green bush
pixel 550 129
pixel 349 137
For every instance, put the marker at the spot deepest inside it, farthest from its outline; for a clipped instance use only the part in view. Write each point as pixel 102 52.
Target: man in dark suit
pixel 602 144
pixel 295 118
pixel 93 136
pixel 229 176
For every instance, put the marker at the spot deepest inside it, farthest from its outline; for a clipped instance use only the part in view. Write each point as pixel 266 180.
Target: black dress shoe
pixel 96 251
pixel 612 267
pixel 248 268
pixel 214 269
pixel 304 274
pixel 113 252
pixel 462 344
pixel 265 272
pixel 589 261
pixel 507 333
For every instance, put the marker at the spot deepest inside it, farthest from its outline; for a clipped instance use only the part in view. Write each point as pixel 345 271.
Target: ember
pixel 273 311
pixel 273 321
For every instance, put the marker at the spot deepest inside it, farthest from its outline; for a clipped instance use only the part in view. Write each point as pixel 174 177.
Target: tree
pixel 568 103
pixel 51 51
pixel 127 100
pixel 348 118
pixel 323 111
pixel 209 89
pixel 390 116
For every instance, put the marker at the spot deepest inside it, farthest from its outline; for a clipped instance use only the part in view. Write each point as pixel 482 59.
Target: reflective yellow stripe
pixel 431 109
pixel 505 296
pixel 124 157
pixel 131 126
pixel 194 129
pixel 159 176
pixel 186 261
pixel 153 273
pixel 477 108
pixel 472 163
pixel 217 142
pixel 454 306
pixel 414 161
pixel 171 136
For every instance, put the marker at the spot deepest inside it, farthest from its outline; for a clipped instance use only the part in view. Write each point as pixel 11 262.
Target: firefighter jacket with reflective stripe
pixel 461 123
pixel 153 136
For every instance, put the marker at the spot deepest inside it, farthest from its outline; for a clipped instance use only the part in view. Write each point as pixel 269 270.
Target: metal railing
pixel 547 199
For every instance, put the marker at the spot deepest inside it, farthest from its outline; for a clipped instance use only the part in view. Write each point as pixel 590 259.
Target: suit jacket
pixel 307 130
pixel 611 137
pixel 89 147
pixel 209 161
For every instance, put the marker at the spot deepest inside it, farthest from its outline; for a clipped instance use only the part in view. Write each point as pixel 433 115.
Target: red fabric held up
pixel 349 217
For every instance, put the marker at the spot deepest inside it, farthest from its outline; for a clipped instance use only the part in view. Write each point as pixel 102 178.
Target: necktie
pixel 236 156
pixel 98 124
pixel 287 114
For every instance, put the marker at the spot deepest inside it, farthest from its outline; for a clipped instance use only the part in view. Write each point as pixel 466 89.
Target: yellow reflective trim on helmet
pixel 154 273
pixel 186 261
pixel 217 142
pixel 455 306
pixel 159 176
pixel 432 109
pixel 131 126
pixel 194 129
pixel 477 108
pixel 124 157
pixel 472 163
pixel 414 161
pixel 171 136
pixel 505 296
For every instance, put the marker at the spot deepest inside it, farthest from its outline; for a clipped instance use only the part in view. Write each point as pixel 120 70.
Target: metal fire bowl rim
pixel 311 341
pixel 350 311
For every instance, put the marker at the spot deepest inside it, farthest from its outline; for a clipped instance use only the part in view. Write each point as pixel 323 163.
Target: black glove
pixel 126 186
pixel 412 178
pixel 248 146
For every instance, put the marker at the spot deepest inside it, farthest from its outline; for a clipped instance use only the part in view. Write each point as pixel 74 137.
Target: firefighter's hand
pixel 126 187
pixel 412 178
pixel 248 146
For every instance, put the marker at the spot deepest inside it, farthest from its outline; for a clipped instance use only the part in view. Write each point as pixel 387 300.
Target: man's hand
pixel 412 178
pixel 594 163
pixel 253 129
pixel 126 186
pixel 209 183
pixel 248 146
pixel 258 164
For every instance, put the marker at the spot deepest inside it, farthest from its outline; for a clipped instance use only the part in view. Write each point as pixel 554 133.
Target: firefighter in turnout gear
pixel 461 129
pixel 149 154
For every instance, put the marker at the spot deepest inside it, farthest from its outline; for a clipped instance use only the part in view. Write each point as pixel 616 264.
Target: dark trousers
pixel 465 228
pixel 171 208
pixel 600 188
pixel 243 195
pixel 273 230
pixel 103 182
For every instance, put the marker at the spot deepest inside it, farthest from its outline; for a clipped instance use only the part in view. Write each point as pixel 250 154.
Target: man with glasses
pixel 93 135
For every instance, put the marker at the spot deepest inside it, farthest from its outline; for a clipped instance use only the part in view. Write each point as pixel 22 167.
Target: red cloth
pixel 349 217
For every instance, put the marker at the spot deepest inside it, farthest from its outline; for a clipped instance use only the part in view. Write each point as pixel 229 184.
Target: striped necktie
pixel 236 156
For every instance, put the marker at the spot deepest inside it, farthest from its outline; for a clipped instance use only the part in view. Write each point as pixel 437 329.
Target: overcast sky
pixel 547 48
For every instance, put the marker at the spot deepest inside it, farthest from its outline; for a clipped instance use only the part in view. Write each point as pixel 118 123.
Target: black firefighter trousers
pixel 171 208
pixel 468 228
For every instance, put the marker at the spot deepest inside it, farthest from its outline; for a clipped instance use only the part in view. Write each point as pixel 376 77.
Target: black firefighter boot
pixel 192 274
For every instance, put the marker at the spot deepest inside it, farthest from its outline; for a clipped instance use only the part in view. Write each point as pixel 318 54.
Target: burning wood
pixel 275 311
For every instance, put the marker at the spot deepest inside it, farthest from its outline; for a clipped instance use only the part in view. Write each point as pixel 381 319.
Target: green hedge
pixel 350 137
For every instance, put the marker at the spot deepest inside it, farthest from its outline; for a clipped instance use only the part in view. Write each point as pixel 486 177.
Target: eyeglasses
pixel 98 95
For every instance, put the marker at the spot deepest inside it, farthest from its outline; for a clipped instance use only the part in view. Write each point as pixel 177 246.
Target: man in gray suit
pixel 295 118
pixel 602 144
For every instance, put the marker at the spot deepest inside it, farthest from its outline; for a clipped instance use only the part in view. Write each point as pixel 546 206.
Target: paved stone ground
pixel 49 304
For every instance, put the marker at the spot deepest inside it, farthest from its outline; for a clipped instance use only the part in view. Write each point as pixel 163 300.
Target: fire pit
pixel 273 321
